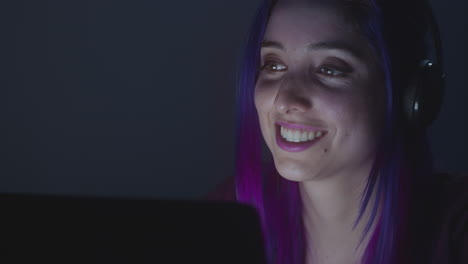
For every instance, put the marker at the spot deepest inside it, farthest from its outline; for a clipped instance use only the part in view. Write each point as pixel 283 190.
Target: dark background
pixel 136 98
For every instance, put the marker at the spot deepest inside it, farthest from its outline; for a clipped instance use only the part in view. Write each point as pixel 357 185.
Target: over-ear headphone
pixel 424 96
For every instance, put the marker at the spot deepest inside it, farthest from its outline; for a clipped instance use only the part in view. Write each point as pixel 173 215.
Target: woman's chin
pixel 296 174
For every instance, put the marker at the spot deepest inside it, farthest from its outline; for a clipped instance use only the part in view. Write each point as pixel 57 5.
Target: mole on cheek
pixel 325 150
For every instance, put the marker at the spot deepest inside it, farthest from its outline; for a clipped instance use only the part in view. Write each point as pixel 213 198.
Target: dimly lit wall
pixel 135 98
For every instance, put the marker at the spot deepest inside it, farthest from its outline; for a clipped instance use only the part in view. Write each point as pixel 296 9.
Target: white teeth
pixel 311 135
pixel 297 136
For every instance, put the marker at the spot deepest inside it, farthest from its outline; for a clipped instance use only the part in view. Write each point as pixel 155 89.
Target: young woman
pixel 345 176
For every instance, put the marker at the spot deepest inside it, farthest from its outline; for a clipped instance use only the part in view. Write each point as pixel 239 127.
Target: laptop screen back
pixel 57 229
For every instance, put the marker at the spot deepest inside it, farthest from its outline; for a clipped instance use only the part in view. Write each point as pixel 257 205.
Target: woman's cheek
pixel 263 95
pixel 345 110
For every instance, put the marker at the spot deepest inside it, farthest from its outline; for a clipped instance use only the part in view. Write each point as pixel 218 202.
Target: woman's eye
pixel 273 67
pixel 331 72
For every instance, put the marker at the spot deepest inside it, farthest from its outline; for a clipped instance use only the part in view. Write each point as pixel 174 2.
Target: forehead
pixel 299 22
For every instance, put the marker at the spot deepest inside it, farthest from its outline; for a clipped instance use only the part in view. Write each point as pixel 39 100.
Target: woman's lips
pixel 294 146
pixel 298 126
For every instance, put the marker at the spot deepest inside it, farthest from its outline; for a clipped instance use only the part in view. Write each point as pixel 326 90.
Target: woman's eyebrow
pixel 339 45
pixel 272 44
pixel 335 44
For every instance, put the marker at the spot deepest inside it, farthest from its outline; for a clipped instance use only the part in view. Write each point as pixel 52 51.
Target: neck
pixel 331 207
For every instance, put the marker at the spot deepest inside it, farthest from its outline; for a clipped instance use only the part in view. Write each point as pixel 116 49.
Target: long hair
pixel 402 156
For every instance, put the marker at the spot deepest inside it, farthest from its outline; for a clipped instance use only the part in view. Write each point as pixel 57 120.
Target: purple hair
pixel 399 156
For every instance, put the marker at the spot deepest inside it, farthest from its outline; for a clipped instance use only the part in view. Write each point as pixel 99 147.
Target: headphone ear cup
pixel 424 95
pixel 411 99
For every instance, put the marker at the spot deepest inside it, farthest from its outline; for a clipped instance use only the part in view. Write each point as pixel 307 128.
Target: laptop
pixel 67 229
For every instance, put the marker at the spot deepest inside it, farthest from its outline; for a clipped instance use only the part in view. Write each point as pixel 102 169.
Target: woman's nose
pixel 293 95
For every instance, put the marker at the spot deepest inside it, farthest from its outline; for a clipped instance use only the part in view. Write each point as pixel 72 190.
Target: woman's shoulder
pixel 454 185
pixel 452 210
pixel 454 198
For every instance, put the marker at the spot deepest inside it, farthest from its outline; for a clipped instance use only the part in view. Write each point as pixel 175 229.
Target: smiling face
pixel 320 73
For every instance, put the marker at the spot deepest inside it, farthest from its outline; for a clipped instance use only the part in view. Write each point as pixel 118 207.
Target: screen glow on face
pixel 316 71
